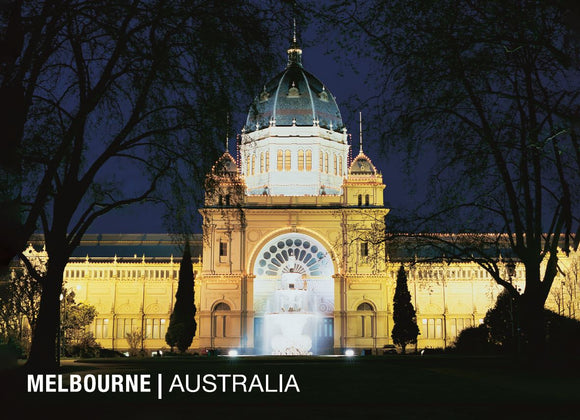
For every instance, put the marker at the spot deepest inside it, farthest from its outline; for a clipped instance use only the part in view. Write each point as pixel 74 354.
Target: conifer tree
pixel 182 324
pixel 405 330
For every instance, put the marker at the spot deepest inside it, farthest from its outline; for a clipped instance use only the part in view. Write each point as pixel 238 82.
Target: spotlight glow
pixel 349 352
pixel 232 353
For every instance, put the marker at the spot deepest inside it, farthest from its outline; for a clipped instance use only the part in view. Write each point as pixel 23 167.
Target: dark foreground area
pixel 401 387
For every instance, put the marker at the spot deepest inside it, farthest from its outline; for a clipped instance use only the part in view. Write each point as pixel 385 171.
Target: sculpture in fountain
pixel 290 317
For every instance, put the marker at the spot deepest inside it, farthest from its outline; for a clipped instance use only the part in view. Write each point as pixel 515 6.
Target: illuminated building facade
pixel 291 259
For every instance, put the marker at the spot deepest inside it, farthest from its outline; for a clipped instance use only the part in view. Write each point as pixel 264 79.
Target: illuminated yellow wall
pixel 139 293
pixel 447 297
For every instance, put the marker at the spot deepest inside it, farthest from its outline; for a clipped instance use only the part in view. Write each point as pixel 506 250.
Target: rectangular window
pixel 121 327
pixel 125 326
pixel 101 328
pixel 364 249
pixel 458 325
pixel 149 328
pixel 280 161
pixel 433 328
pixel 288 161
pixel 366 326
pixel 155 328
pixel 328 326
pixel 220 325
pixel 223 249
pixel 258 327
pixel 309 160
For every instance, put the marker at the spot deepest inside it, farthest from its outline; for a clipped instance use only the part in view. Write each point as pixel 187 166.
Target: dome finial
pixel 294 52
pixel 360 132
pixel 227 132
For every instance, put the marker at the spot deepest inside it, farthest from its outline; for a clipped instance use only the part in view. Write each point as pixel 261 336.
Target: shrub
pixel 475 340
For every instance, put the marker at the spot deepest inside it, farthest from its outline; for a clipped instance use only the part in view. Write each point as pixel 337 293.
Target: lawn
pixel 401 387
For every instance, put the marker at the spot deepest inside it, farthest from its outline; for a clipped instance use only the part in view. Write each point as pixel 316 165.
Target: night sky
pixel 402 189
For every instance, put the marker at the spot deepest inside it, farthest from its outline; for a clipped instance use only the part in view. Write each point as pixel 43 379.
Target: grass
pixel 402 387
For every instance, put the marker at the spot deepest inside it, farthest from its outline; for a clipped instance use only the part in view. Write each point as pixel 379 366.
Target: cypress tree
pixel 405 330
pixel 182 324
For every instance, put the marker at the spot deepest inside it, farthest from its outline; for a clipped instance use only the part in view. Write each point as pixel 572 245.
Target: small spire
pixel 360 130
pixel 227 132
pixel 294 52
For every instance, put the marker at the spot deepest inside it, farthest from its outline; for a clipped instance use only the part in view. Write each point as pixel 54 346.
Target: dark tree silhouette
pixel 489 91
pixel 101 92
pixel 182 324
pixel 405 330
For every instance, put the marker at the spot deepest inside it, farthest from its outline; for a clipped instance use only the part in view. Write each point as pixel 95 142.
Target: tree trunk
pixel 43 350
pixel 532 324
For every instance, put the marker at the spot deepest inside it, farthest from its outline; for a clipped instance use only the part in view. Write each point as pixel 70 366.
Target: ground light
pixel 349 352
pixel 232 353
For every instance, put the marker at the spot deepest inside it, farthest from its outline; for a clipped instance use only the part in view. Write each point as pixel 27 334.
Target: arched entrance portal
pixel 293 297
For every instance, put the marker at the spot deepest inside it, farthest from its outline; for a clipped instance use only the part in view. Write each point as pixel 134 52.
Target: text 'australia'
pixel 233 383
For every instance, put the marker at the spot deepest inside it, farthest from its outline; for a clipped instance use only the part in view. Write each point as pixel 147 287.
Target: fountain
pixel 290 318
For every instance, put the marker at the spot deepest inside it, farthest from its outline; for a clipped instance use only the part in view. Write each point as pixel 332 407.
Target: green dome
pixel 294 97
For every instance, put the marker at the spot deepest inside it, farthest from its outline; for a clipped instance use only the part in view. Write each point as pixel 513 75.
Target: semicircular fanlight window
pixel 296 251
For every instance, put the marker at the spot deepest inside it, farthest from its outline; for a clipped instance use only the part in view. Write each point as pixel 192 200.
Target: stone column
pixel 247 332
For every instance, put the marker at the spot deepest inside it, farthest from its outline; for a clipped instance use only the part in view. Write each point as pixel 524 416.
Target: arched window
pixel 248 159
pixel 366 320
pixel 309 160
pixel 300 160
pixel 288 161
pixel 220 319
pixel 262 162
pixel 267 161
pixel 360 199
pixel 326 162
pixel 340 166
pixel 222 306
pixel 280 161
pixel 365 306
pixel 335 165
pixel 321 163
pixel 367 200
pixel 253 164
